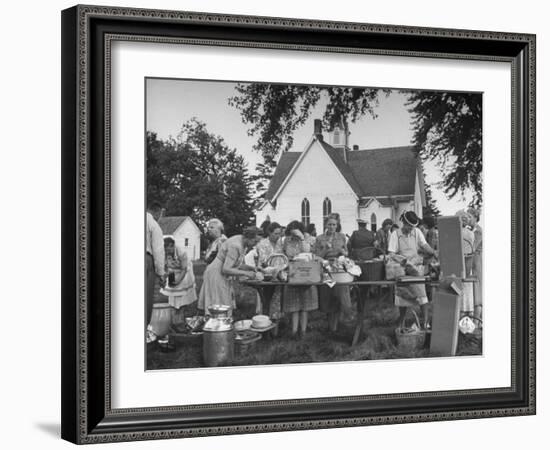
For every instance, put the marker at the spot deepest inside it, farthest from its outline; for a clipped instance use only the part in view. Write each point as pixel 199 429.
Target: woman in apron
pixel 403 247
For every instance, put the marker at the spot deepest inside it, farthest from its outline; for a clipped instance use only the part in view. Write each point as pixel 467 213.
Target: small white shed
pixel 185 233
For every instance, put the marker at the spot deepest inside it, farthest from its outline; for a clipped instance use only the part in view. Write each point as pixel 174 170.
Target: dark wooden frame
pixel 87 32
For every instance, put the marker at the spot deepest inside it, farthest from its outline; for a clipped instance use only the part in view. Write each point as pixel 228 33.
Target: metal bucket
pixel 374 270
pixel 217 348
pixel 218 338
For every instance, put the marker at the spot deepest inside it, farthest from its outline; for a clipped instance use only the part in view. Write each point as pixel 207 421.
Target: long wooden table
pixel 361 304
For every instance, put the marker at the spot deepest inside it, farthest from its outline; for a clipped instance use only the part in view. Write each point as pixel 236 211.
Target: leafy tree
pixel 198 175
pixel 447 130
pixel 276 111
pixel 447 126
pixel 431 208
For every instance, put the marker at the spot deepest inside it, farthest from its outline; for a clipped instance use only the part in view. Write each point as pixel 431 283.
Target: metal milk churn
pixel 218 337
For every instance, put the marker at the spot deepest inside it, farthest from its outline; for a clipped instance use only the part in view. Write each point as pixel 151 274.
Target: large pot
pixel 218 337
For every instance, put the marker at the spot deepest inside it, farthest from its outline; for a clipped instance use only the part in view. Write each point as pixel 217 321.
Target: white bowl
pixel 260 321
pixel 242 325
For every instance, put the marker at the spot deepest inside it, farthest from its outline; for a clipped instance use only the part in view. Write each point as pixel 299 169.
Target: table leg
pixel 265 297
pixel 361 313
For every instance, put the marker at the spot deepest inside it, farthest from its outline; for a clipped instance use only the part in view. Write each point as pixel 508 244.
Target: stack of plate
pixel 260 322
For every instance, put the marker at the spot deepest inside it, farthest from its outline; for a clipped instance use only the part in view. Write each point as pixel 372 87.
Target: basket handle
pixel 416 318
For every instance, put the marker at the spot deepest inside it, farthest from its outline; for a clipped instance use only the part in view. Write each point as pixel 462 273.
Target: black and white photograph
pixel 290 223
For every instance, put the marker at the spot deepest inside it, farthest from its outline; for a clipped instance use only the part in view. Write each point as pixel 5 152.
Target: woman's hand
pixel 298 234
pixel 251 275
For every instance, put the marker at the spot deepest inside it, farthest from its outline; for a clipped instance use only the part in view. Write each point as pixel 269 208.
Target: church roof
pixel 384 171
pixel 284 166
pixel 377 172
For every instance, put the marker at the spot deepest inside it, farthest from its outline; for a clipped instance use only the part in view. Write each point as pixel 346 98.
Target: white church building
pixel 371 184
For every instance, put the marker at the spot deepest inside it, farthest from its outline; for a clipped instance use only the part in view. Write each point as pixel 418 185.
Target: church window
pixel 305 212
pixel 327 208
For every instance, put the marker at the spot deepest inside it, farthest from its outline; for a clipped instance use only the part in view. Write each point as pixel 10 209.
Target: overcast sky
pixel 170 103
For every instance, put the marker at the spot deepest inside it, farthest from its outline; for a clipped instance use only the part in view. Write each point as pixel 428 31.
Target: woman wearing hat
pixel 404 246
pixel 217 286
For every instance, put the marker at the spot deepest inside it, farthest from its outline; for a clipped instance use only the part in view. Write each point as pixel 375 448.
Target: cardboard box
pixel 304 272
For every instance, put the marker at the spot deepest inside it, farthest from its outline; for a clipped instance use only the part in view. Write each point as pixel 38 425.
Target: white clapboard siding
pixel 315 178
pixel 187 237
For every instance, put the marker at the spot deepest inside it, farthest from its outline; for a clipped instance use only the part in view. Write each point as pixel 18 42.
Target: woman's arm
pixel 229 268
pixel 422 244
pixel 180 275
pixel 344 248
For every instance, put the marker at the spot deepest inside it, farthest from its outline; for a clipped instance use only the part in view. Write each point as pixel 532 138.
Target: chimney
pixel 355 148
pixel 318 129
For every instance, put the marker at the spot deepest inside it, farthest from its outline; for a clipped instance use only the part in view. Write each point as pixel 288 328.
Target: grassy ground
pixel 318 345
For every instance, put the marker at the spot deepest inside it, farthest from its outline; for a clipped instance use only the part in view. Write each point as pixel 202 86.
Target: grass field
pixel 318 345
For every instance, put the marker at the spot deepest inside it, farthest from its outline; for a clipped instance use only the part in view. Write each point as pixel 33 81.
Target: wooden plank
pixel 451 257
pixel 446 311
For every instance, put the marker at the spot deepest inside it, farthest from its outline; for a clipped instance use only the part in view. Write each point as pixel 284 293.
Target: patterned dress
pixel 337 298
pixel 213 248
pixel 298 298
pixel 266 248
pixel 217 288
pixel 273 294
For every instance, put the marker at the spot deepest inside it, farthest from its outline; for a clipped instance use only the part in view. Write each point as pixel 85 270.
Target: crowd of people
pixel 243 256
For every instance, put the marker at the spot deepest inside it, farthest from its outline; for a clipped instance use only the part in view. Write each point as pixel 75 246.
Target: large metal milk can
pixel 218 337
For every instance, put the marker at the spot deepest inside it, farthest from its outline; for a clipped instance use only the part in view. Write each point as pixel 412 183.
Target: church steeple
pixel 339 138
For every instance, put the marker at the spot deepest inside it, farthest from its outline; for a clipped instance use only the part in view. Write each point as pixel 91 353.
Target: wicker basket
pixel 410 341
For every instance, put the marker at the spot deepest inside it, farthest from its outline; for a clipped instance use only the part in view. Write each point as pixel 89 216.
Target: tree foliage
pixel 198 175
pixel 448 130
pixel 275 111
pixel 431 208
pixel 447 126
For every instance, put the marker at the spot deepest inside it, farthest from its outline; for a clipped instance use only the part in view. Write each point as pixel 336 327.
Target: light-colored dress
pixel 477 267
pixel 408 246
pixel 298 298
pixel 468 248
pixel 213 248
pixel 184 293
pixel 266 248
pixel 217 288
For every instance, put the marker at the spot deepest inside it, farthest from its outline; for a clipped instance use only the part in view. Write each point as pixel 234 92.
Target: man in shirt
pixel 154 255
pixel 405 246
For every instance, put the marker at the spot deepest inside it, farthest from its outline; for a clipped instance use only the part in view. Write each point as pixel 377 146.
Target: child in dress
pixel 180 281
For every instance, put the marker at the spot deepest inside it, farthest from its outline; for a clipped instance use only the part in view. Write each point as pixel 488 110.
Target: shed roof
pixel 170 224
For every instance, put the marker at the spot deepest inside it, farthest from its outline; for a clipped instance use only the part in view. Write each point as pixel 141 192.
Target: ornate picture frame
pixel 88 33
